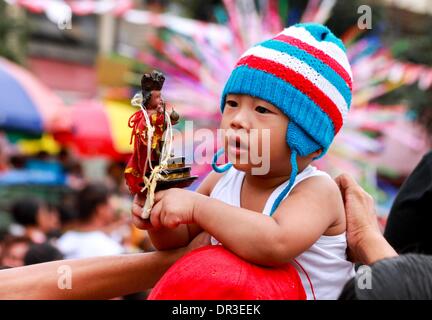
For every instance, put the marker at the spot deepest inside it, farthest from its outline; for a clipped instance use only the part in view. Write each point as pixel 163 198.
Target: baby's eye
pixel 262 109
pixel 232 103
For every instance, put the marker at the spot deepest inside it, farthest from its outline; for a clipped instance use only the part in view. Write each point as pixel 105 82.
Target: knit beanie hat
pixel 303 71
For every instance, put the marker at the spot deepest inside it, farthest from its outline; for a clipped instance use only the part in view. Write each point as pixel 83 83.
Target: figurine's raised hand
pixel 173 207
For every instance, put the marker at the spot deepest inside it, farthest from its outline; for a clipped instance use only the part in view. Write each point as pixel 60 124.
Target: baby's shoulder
pixel 323 184
pixel 324 190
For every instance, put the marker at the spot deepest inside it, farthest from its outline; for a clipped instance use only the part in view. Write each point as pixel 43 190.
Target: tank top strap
pixel 228 187
pixel 308 172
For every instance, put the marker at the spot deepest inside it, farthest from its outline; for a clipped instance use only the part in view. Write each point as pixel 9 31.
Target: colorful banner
pixel 78 7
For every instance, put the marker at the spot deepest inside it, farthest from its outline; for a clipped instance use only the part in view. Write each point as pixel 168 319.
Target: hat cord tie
pixel 294 170
pixel 221 169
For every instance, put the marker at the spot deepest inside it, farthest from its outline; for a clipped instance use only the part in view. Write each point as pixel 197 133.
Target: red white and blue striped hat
pixel 305 72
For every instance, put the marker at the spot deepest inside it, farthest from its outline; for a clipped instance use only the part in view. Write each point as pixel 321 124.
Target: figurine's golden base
pixel 178 175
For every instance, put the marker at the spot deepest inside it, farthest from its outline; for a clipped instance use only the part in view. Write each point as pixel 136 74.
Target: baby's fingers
pixel 141 223
pixel 137 205
pixel 155 215
pixel 170 221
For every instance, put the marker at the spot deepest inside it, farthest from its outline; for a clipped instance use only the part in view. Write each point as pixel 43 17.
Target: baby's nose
pixel 240 122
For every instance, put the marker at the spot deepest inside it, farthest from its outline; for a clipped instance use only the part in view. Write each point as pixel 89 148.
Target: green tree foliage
pixel 13 35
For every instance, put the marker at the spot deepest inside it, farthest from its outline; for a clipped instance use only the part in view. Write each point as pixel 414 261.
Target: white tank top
pixel 323 268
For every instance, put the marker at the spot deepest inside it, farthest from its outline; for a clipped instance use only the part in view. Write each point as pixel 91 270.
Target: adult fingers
pixel 345 181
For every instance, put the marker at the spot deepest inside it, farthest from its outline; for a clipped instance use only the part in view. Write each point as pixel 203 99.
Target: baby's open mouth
pixel 236 143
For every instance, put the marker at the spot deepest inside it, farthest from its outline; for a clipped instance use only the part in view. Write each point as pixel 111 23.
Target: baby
pixel 297 87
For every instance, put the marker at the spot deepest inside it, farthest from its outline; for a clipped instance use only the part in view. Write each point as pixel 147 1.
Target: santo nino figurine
pixel 148 127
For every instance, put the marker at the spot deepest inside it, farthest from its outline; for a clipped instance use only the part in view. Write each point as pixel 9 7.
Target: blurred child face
pixel 244 114
pixel 14 254
pixel 105 212
pixel 48 220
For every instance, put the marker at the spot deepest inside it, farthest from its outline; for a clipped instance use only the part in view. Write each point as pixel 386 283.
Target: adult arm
pixel 91 278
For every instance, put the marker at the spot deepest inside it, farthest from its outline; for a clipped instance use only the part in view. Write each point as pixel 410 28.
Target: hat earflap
pixel 301 144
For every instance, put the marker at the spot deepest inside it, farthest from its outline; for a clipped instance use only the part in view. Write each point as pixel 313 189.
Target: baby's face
pixel 244 115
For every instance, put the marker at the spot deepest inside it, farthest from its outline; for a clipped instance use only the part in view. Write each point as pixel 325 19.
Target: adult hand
pixel 365 241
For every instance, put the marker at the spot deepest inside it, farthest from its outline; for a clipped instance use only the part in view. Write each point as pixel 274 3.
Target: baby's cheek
pixel 278 146
pixel 224 124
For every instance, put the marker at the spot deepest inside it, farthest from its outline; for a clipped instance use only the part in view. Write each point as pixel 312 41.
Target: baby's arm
pixel 313 208
pixel 165 238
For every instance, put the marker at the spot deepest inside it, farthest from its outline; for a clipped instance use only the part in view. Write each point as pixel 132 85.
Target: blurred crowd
pixel 90 218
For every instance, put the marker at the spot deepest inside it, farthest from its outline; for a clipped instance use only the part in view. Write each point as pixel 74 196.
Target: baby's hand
pixel 173 207
pixel 137 208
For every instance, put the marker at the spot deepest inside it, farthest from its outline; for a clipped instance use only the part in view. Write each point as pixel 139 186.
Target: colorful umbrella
pixel 101 128
pixel 26 105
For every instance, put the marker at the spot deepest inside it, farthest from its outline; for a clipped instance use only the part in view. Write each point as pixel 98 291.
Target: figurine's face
pixel 155 100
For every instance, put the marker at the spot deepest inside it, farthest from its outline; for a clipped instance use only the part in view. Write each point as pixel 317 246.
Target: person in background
pixel 42 252
pixel 36 218
pixel 405 277
pixel 116 275
pixel 72 169
pixel 410 218
pixel 94 213
pixel 14 251
pixel 115 178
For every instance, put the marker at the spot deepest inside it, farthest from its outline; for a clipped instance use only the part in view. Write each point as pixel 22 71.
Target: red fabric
pixel 135 169
pixel 214 273
pixel 91 133
pixel 300 83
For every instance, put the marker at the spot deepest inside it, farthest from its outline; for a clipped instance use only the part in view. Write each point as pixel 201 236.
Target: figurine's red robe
pixel 134 171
